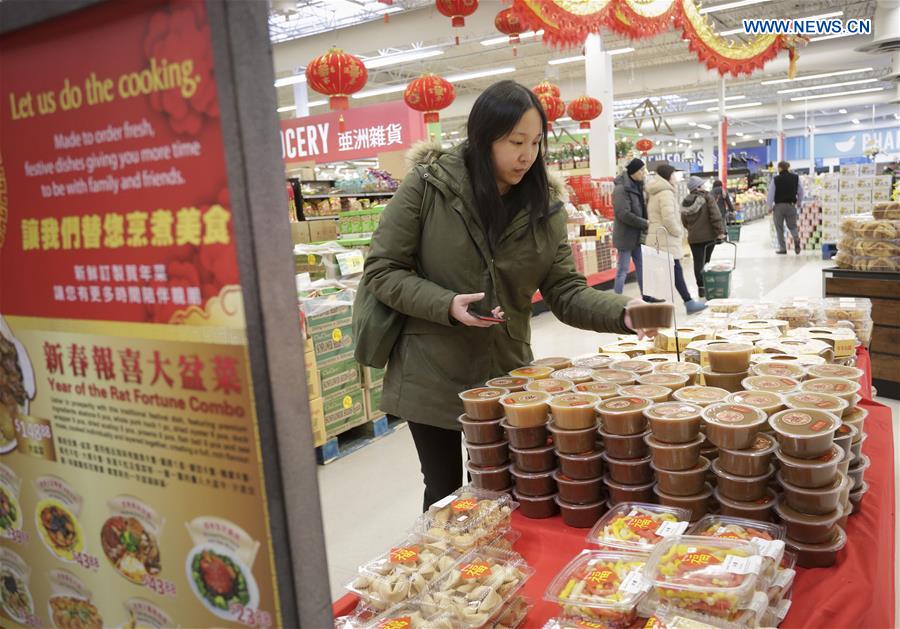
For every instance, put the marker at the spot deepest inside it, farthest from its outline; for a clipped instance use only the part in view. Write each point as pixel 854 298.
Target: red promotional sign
pixel 366 132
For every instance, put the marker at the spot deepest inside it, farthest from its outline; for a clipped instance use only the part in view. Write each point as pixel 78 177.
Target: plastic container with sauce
pixel 481 431
pixel 525 437
pixel 603 390
pixel 857 496
pixel 729 357
pixel 673 381
pixel 535 372
pixel 775 384
pixel 857 472
pixel 598 361
pixel 691 370
pixel 634 365
pixel 483 402
pixel 844 389
pixel 620 492
pixel 733 426
pixel 684 482
pixel 623 415
pixel 710 453
pixel 574 441
pixel 804 434
pixel 779 370
pixel 658 359
pixel 856 416
pixel 581 516
pixel 553 386
pixel 731 382
pixel 845 435
pixel 819 401
pixel 577 375
pixel 651 316
pixel 819 555
pixel 556 362
pixel 760 509
pixel 674 422
pixel 835 371
pixel 856 446
pixel 616 376
pixel 488 455
pixel 629 472
pixel 811 473
pixel 700 395
pixel 537 507
pixel 541 459
pixel 509 383
pixel 814 501
pixel 581 466
pixel 534 483
pixel 655 393
pixel 753 461
pixel 526 409
pixel 674 456
pixel 625 446
pixel 491 478
pixel 574 411
pixel 766 401
pixel 742 488
pixel 576 491
pixel 697 504
pixel 844 465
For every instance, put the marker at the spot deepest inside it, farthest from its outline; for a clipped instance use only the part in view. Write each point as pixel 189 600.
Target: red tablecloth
pixel 857 592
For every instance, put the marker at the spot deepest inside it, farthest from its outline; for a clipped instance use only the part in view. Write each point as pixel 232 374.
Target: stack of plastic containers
pixel 488 450
pixel 816 492
pixel 729 364
pixel 623 427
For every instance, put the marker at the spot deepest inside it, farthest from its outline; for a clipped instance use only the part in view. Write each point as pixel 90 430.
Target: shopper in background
pixel 474 229
pixel 723 200
pixel 664 229
pixel 701 216
pixel 785 196
pixel 630 207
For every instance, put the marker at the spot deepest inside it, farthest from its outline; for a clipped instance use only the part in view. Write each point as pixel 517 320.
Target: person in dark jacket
pixel 723 200
pixel 630 207
pixel 489 233
pixel 785 196
pixel 701 216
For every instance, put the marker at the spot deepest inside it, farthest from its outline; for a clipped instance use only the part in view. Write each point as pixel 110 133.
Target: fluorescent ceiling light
pixel 730 5
pixel 401 57
pixel 380 91
pixel 740 134
pixel 789 116
pixel 842 110
pixel 741 106
pixel 562 60
pixel 291 80
pixel 619 51
pixel 835 36
pixel 855 121
pixel 704 126
pixel 706 101
pixel 692 124
pixel 468 76
pixel 761 141
pixel 827 86
pixel 823 16
pixel 281 110
pixel 816 76
pixel 734 144
pixel 494 41
pixel 817 96
pixel 696 134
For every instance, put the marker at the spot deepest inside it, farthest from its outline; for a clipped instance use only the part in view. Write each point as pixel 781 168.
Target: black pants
pixel 440 455
pixel 701 258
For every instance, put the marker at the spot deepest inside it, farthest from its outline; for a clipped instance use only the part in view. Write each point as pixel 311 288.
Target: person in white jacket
pixel 663 212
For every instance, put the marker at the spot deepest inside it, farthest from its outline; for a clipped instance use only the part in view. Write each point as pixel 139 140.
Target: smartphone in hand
pixel 490 318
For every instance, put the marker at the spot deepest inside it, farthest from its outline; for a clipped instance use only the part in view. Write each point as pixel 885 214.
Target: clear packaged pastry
pixel 768 538
pixel 409 615
pixel 468 517
pixel 638 526
pixel 513 614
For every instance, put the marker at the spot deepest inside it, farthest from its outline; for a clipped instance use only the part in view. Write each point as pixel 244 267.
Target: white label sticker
pixel 784 578
pixel 462 518
pixel 634 583
pixel 667 529
pixel 758 604
pixel 773 549
pixel 781 610
pixel 742 565
pixel 632 513
pixel 440 504
pixel 350 263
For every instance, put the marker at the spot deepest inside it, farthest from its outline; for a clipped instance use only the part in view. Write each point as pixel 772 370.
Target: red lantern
pixel 429 93
pixel 457 11
pixel 336 74
pixel 546 87
pixel 584 109
pixel 508 23
pixel 553 106
pixel 644 145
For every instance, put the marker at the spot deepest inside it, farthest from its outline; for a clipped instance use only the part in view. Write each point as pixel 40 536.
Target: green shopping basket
pixel 717 277
pixel 734 232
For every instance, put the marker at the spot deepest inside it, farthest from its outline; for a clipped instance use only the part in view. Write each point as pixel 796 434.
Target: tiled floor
pixel 370 498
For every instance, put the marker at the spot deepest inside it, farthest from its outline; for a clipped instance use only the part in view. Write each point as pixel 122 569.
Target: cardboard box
pixel 317 419
pixel 332 344
pixel 300 232
pixel 321 315
pixel 370 376
pixel 881 194
pixel 372 398
pixel 849 169
pixel 338 376
pixel 323 230
pixel 313 385
pixel 344 410
pixel 867 170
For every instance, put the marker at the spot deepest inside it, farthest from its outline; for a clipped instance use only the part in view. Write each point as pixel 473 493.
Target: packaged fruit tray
pixel 638 526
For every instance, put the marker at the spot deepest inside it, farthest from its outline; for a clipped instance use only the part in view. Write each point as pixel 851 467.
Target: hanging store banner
pixel 131 485
pixel 845 144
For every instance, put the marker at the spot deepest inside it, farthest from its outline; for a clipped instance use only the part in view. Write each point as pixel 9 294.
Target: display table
pixel 857 592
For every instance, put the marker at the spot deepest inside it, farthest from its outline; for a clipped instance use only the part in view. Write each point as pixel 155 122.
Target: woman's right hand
pixel 459 310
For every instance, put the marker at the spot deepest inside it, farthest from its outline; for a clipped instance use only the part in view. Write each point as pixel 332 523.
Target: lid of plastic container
pixel 838 541
pixel 730 347
pixel 465 509
pixel 565 431
pixel 623 404
pixel 856 496
pixel 573 507
pixel 673 411
pixel 611 461
pixel 763 445
pixel 584 456
pixel 761 503
pixel 609 482
pixel 637 526
pixel 767 538
pixel 464 419
pixel 538 450
pixel 705 565
pixel 508 382
pixel 600 580
pixel 607 435
pixel 644 390
pixel 835 371
pixel 486 446
pixel 835 454
pixel 728 415
pixel 525 398
pixel 557 362
pixel 573 373
pixel 495 469
pixel 700 394
pixel 839 484
pixel 598 361
pixel 803 423
pixel 483 394
pixel 846 431
pixel 607 389
pixel 778 384
pixel 688 369
pixel 633 364
pixel 661 445
pixel 757 399
pixel 835 386
pixel 788 514
pixel 522 498
pixel 614 375
pixel 665 379
pixel 658 359
pixel 535 371
pixel 562 478
pixel 702 466
pixel 550 385
pixel 780 369
pixel 531 475
pixel 861 464
pixel 855 415
pixel 821 401
pixel 705 493
pixel 573 400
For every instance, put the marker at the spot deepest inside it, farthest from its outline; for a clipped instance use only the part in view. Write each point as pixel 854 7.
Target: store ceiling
pixel 661 67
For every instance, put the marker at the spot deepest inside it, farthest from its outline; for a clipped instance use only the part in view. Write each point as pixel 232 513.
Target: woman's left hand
pixel 642 333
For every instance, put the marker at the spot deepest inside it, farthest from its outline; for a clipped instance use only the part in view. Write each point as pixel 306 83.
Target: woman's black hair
pixel 717 183
pixel 494 115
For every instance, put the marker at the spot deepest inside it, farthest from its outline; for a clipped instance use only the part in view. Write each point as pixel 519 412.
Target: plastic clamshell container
pixel 683 482
pixel 634 365
pixel 779 370
pixel 525 437
pixel 581 466
pixel 619 492
pixel 653 392
pixel 488 455
pixel 820 401
pixel 537 507
pixel 553 386
pixel 700 395
pixel 574 411
pixel 491 478
pixel 480 432
pixel 741 488
pixel 478 587
pixel 535 372
pixel 733 426
pixel 555 362
pixel 835 371
pixel 629 471
pixel 673 381
pixel 526 408
pixel 510 383
pixel 674 456
pixel 706 575
pixel 729 357
pixel 766 401
pixel 856 416
pixel 857 472
pixel 818 501
pixel 804 433
pixel 506 540
pixel 600 586
pixel 806 528
pixel 534 483
pixel 574 441
pixel 811 473
pixel 819 555
pixel 582 516
pixel 576 375
pixel 731 382
pixel 674 422
pixel 841 387
pixel 616 376
pixel 691 370
pixel 784 578
pixel 483 402
pixel 625 446
pixel 623 415
pixel 760 510
pixel 468 516
pixel 753 461
pixel 637 526
pixel 409 614
pixel 697 504
pixel 766 537
pixel 578 492
pixel 775 384
pixel 603 390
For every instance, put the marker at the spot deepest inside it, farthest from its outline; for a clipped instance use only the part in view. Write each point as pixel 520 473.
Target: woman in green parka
pixel 488 233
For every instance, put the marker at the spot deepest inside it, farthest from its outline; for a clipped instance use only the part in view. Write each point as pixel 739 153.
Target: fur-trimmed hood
pixel 693 203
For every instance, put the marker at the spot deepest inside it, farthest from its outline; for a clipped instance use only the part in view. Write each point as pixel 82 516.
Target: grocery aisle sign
pixel 364 132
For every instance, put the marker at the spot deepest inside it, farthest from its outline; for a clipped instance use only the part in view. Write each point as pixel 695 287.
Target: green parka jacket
pixel 417 266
